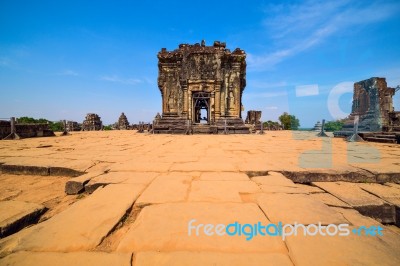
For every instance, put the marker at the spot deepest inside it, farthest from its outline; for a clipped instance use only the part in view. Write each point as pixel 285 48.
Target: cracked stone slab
pixel 208 166
pixel 309 189
pixel 15 215
pixel 140 166
pixel 381 191
pixel 330 200
pixel 80 227
pixel 366 203
pixel 119 178
pixel 282 189
pixel 220 191
pixel 76 185
pixel 66 259
pixel 291 208
pixel 164 227
pixel 356 218
pixel 165 189
pixel 223 176
pixel 183 258
pixel 343 250
pixel 273 179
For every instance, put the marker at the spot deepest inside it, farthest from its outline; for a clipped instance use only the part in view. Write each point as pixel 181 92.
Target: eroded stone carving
pixel 201 84
pixel 92 122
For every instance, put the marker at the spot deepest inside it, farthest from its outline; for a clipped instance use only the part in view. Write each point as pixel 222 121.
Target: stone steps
pixel 381 140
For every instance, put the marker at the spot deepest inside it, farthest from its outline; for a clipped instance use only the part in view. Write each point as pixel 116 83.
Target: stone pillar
pixel 212 108
pixel 190 104
pixel 185 101
pixel 217 100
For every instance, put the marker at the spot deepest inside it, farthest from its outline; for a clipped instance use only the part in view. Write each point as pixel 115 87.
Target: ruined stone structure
pixel 373 103
pixel 92 122
pixel 201 88
pixel 25 130
pixel 122 122
pixel 253 117
pixel 73 126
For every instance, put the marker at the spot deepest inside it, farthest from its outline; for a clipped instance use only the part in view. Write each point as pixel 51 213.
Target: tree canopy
pixel 55 126
pixel 289 122
pixel 334 125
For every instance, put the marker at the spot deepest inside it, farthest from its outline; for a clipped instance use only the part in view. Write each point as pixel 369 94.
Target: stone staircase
pixel 382 137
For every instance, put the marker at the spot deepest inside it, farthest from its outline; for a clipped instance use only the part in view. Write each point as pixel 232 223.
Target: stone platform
pixel 143 189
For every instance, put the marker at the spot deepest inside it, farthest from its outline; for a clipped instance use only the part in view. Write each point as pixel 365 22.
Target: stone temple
pixel 373 104
pixel 201 88
pixel 92 122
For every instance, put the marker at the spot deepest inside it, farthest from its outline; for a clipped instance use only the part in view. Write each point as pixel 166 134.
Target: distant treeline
pixel 55 126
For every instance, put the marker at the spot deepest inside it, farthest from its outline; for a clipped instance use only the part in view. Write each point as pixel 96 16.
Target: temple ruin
pixel 253 117
pixel 122 122
pixel 14 130
pixel 373 104
pixel 73 126
pixel 201 88
pixel 92 122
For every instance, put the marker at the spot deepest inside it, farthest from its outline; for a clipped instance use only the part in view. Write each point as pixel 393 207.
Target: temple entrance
pixel 201 108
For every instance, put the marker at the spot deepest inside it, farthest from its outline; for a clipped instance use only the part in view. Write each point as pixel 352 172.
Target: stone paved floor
pixel 148 187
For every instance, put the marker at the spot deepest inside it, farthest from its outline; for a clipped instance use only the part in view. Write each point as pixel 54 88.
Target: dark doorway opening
pixel 201 108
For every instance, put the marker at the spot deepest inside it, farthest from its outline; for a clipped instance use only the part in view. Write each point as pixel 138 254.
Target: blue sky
pixel 63 59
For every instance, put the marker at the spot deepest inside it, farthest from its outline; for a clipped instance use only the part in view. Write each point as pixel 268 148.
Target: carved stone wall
pixel 373 101
pixel 213 70
pixel 123 122
pixel 92 122
pixel 253 117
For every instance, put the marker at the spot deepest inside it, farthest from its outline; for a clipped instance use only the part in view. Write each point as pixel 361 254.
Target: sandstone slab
pixel 220 191
pixel 291 208
pixel 309 188
pixel 366 203
pixel 330 200
pixel 223 176
pixel 273 179
pixel 164 227
pixel 381 191
pixel 183 258
pixel 162 190
pixel 66 259
pixel 15 215
pixel 76 185
pixel 282 189
pixel 80 227
pixel 119 178
pixel 341 250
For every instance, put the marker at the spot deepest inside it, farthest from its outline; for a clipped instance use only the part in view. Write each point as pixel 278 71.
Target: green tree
pixel 56 126
pixel 26 120
pixel 109 127
pixel 334 125
pixel 271 125
pixel 289 122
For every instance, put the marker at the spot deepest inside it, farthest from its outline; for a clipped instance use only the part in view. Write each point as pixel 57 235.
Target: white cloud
pixel 117 79
pixel 298 27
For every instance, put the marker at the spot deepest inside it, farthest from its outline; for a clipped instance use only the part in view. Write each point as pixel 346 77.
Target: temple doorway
pixel 201 108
